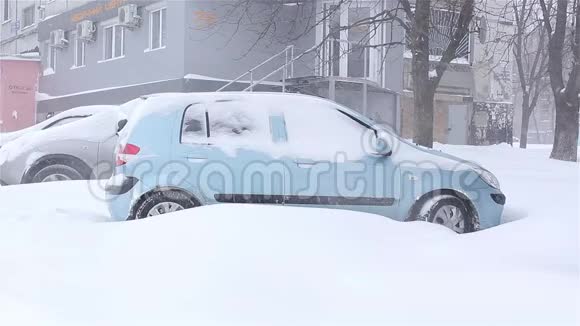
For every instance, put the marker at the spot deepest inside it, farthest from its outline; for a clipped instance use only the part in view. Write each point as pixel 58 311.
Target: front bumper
pixel 498 198
pixel 489 205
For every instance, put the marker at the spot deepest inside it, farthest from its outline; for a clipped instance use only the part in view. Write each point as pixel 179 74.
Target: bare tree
pixel 530 55
pixel 425 81
pixel 561 22
pixel 415 18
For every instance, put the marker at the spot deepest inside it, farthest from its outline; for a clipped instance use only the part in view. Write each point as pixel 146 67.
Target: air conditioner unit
pixel 86 30
pixel 58 39
pixel 128 16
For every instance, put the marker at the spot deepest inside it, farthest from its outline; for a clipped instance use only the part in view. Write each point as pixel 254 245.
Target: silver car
pixel 69 147
pixel 57 120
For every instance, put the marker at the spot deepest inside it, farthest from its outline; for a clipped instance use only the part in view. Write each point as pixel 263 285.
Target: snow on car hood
pixel 405 152
pixel 78 111
pixel 95 128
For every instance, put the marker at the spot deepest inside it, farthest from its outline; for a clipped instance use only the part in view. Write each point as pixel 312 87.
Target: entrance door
pixel 457 124
pixel 347 52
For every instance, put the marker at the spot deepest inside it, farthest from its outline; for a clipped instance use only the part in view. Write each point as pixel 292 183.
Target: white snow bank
pixel 265 265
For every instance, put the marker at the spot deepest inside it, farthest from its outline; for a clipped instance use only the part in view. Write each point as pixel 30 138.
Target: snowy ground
pixel 63 263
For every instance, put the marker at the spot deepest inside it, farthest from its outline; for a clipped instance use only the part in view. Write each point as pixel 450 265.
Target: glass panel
pixel 28 16
pixel 334 37
pixel 358 38
pixel 80 53
pixel 163 27
pixel 52 58
pixel 337 134
pixel 193 128
pixel 108 43
pixel 6 12
pixel 236 120
pixel 119 50
pixel 155 29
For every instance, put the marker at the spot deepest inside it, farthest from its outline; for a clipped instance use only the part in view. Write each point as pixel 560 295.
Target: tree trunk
pixel 525 126
pixel 566 133
pixel 423 90
pixel 424 97
pixel 526 113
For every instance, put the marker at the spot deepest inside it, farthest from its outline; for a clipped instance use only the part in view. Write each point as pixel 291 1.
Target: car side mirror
pixel 382 146
pixel 121 124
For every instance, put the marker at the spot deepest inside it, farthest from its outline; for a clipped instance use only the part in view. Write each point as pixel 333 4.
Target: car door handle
pixel 196 159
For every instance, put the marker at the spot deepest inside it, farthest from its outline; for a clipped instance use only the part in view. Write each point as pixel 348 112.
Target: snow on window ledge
pixel 77 67
pixel 153 50
pixel 27 27
pixel 7 21
pixel 112 59
pixel 48 72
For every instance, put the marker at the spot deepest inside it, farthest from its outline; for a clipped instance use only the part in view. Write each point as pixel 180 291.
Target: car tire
pixel 57 172
pixel 162 202
pixel 448 211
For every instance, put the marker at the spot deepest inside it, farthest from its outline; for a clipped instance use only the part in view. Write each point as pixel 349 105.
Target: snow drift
pixel 64 264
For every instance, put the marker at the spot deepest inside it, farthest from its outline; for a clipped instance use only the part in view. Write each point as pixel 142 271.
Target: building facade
pixel 18 85
pixel 201 45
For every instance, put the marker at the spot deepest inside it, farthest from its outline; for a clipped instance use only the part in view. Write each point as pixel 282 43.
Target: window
pixel 193 129
pixel 64 121
pixel 440 35
pixel 114 46
pixel 229 122
pixel 327 131
pixel 5 11
pixel 157 29
pixel 51 60
pixel 28 16
pixel 79 52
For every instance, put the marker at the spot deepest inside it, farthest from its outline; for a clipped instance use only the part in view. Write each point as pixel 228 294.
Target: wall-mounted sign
pixel 19 89
pixel 96 10
pixel 204 19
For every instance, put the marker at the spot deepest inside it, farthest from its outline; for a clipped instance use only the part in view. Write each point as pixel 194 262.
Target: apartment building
pixel 108 52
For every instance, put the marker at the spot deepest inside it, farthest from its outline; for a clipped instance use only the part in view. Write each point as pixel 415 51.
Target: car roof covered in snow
pixel 160 103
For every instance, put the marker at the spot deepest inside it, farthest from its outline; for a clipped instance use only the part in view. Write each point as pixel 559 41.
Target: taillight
pixel 126 153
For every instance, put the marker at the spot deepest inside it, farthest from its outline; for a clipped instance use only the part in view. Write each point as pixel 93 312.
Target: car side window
pixel 229 122
pixel 325 131
pixel 238 121
pixel 193 128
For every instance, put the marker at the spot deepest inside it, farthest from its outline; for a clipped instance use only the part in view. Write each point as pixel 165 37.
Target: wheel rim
pixel 164 208
pixel 56 177
pixel 451 217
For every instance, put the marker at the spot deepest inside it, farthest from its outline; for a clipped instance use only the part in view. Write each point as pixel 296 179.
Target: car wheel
pixel 162 202
pixel 449 211
pixel 57 172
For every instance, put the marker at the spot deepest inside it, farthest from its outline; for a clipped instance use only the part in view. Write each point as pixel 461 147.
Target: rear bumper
pixel 120 192
pixel 120 185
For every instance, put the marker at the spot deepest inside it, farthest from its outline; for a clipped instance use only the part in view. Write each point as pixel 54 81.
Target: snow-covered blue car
pixel 180 151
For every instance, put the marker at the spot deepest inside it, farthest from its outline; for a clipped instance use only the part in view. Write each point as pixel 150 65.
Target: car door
pixel 226 146
pixel 330 165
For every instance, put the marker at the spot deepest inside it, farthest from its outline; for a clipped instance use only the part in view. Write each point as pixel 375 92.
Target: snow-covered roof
pixel 33 56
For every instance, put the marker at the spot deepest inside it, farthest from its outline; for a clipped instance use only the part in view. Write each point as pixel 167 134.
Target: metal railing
pixel 287 71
